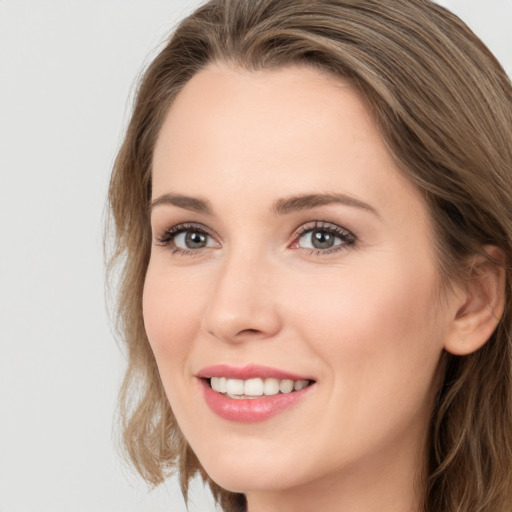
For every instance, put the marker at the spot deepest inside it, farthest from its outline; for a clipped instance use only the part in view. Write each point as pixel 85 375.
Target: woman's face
pixel 289 247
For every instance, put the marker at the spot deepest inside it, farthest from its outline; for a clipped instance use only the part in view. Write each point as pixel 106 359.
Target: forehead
pixel 275 108
pixel 234 133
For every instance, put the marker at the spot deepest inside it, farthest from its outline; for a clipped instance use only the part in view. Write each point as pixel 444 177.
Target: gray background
pixel 67 71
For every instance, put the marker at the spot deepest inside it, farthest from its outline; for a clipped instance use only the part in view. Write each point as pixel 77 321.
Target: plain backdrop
pixel 67 75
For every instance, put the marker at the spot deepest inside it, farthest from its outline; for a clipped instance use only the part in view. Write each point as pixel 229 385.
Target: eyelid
pixel 167 235
pixel 347 237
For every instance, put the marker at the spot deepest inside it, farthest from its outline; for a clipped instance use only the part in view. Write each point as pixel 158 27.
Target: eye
pixel 192 240
pixel 319 240
pixel 187 239
pixel 323 238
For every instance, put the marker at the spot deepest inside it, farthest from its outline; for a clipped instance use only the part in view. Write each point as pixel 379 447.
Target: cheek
pixel 352 303
pixel 375 332
pixel 171 312
pixel 374 323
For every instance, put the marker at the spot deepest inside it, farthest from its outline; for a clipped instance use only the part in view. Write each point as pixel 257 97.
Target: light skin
pixel 361 316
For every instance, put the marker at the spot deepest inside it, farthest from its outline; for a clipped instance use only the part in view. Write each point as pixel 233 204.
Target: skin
pixel 364 320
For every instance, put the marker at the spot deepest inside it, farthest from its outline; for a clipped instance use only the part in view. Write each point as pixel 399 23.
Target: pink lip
pixel 251 371
pixel 249 410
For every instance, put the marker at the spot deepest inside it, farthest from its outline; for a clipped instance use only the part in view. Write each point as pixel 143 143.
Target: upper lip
pixel 250 371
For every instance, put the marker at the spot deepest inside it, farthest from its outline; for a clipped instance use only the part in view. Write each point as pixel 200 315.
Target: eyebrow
pixel 307 201
pixel 193 204
pixel 280 207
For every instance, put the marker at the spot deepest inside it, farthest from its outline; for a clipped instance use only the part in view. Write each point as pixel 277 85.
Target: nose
pixel 241 306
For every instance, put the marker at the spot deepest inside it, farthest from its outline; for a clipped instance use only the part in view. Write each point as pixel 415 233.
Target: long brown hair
pixel 444 106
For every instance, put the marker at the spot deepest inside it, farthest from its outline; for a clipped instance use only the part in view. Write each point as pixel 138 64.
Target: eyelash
pixel 347 238
pixel 170 234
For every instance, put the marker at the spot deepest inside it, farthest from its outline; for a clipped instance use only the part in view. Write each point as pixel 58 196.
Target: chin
pixel 242 473
pixel 249 481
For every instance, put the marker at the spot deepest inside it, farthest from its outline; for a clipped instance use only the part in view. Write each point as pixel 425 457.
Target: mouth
pixel 252 393
pixel 254 388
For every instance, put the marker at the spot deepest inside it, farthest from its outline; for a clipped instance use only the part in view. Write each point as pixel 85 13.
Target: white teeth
pixel 286 386
pixel 271 387
pixel 234 387
pixel 253 387
pixel 237 388
pixel 214 383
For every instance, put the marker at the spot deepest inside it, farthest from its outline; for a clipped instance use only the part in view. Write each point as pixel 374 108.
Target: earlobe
pixel 482 304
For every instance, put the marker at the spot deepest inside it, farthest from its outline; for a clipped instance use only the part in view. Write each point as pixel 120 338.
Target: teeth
pixel 237 388
pixel 253 387
pixel 286 386
pixel 271 387
pixel 299 384
pixel 234 387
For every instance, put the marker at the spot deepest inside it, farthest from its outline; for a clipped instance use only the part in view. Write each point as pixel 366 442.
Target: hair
pixel 443 105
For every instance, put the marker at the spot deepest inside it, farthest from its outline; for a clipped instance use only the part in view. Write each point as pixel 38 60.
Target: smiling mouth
pixel 256 387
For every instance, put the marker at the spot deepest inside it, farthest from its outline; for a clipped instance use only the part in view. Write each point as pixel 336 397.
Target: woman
pixel 312 210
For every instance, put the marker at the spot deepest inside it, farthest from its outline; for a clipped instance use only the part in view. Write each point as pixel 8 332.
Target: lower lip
pixel 250 410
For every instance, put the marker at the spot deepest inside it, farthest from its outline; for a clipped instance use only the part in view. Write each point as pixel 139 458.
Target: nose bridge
pixel 241 306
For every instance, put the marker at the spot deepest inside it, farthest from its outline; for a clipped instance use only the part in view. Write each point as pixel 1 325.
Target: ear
pixel 481 303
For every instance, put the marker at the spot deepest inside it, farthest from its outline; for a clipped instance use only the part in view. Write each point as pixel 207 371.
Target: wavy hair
pixel 443 105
